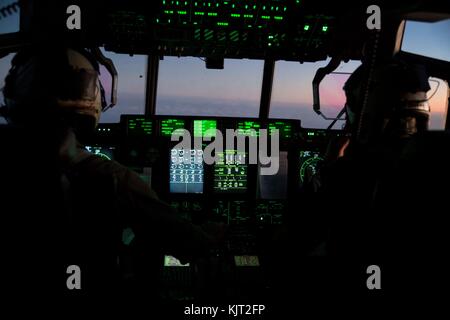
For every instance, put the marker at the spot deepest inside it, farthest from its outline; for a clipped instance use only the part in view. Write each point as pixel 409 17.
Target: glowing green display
pixel 103 152
pixel 230 172
pixel 170 261
pixel 309 162
pixel 270 212
pixel 286 129
pixel 172 126
pixel 139 126
pixel 248 128
pixel 223 13
pixel 232 212
pixel 246 261
pixel 202 126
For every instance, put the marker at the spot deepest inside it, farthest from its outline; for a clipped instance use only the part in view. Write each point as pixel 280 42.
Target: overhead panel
pixel 281 29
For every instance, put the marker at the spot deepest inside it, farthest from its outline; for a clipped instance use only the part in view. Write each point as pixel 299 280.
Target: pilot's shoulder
pixel 125 177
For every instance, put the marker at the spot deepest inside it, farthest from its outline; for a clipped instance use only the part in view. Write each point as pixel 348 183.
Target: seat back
pixel 53 219
pixel 31 199
pixel 411 207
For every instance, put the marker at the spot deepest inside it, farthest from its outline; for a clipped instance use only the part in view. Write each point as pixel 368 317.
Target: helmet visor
pixel 81 93
pixel 81 84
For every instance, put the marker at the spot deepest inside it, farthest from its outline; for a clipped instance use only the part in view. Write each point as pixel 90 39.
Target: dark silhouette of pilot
pixel 386 107
pixel 54 95
pixel 390 101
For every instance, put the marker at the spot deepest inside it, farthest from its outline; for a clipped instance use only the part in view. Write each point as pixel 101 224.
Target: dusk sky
pixel 186 86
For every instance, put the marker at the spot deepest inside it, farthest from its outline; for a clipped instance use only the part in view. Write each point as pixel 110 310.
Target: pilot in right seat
pixel 345 215
pixel 396 110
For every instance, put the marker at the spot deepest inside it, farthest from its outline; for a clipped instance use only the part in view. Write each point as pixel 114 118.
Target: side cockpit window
pixel 9 23
pixel 5 65
pixel 292 93
pixel 130 86
pixel 9 16
pixel 430 39
pixel 438 103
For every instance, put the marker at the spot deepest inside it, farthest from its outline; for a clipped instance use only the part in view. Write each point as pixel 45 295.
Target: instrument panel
pixel 232 189
pixel 283 29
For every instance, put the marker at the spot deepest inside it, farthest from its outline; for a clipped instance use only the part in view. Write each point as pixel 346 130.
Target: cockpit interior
pixel 193 70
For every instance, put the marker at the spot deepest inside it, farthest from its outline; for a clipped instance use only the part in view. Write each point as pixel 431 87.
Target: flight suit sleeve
pixel 154 223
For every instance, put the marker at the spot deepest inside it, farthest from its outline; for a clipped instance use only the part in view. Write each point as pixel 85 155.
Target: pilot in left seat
pixel 58 89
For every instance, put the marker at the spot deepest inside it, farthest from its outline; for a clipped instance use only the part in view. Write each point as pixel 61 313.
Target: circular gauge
pixel 104 153
pixel 103 156
pixel 309 167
